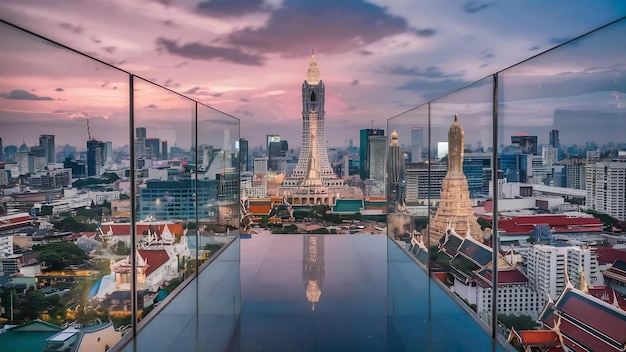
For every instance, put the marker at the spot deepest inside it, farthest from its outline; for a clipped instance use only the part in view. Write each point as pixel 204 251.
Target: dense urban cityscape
pixel 99 236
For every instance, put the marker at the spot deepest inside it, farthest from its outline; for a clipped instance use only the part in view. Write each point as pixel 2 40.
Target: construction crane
pixel 88 132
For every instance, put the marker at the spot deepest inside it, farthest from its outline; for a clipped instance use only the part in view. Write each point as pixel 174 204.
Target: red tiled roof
pixel 507 276
pixel 539 337
pixel 155 258
pixel 608 255
pixel 14 221
pixel 558 223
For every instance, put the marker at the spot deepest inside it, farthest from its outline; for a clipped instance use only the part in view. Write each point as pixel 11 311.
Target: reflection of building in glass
pixel 377 146
pixel 474 165
pixel 395 171
pixel 178 200
pixel 313 267
pixel 527 144
pixel 417 143
pixel 243 155
pixel 455 208
pixel 423 184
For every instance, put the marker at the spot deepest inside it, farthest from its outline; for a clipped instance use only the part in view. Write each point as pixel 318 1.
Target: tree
pixel 484 223
pixel 519 322
pixel 60 255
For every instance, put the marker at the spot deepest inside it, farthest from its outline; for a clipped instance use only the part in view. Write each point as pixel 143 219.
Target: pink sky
pixel 248 58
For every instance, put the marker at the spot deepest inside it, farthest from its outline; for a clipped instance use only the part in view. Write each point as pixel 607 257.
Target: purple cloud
pixel 76 29
pixel 20 94
pixel 201 51
pixel 286 32
pixel 231 8
pixel 474 7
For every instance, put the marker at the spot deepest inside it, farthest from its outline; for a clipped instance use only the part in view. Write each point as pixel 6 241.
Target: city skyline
pixel 371 74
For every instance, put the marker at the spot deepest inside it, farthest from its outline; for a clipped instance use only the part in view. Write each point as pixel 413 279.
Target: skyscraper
pixel 395 172
pixel 554 139
pixel 1 151
pixel 313 161
pixel 364 149
pixel 46 141
pixel 377 152
pixel 164 153
pixel 153 146
pixel 243 154
pixel 95 157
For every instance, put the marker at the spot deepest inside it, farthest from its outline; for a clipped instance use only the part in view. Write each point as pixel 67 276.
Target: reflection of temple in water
pixel 313 267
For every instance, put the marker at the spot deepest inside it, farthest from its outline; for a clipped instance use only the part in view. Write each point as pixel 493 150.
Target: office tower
pixel 313 161
pixel 574 172
pixel 527 144
pixel 95 157
pixel 313 267
pixel 153 146
pixel 455 208
pixel 243 155
pixel 260 165
pixel 1 151
pixel 605 184
pixel 23 148
pixel 417 143
pixel 164 152
pixel 9 153
pixel 108 151
pixel 554 139
pixel 269 138
pixel 140 132
pixel 364 150
pixel 46 141
pixel 423 184
pixel 69 152
pixel 277 152
pixel 377 152
pixel 474 166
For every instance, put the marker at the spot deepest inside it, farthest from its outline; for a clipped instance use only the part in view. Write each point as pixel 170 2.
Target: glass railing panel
pixel 561 195
pixel 460 165
pixel 407 175
pixel 64 135
pixel 164 158
pixel 219 295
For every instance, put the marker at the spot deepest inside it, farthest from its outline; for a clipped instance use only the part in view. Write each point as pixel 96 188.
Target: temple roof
pixel 587 322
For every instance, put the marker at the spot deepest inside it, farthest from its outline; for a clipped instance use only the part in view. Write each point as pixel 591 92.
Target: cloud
pixel 200 51
pixel 151 106
pixel 59 90
pixel 365 52
pixel 430 72
pixel 244 113
pixel 231 8
pixel 354 82
pixel 170 83
pixel 169 23
pixel 430 89
pixel 193 90
pixel 474 7
pixel 20 94
pixel 76 29
pixel 109 49
pixel 556 41
pixel 343 26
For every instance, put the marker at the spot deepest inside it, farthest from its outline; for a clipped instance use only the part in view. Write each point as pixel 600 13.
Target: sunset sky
pixel 248 58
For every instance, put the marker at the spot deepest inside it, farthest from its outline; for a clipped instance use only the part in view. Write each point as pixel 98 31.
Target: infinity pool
pixel 313 293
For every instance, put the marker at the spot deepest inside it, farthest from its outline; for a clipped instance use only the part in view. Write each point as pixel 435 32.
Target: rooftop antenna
pixel 88 132
pixel 372 124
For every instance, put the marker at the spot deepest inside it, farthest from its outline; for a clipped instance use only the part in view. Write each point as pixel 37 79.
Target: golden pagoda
pixel 455 208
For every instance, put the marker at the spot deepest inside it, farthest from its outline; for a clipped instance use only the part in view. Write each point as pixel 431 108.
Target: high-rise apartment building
pixel 417 143
pixel 95 157
pixel 545 268
pixel 46 141
pixel 164 150
pixel 554 139
pixel 364 150
pixel 605 184
pixel 153 147
pixel 574 172
pixel 243 155
pixel 1 151
pixel 423 184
